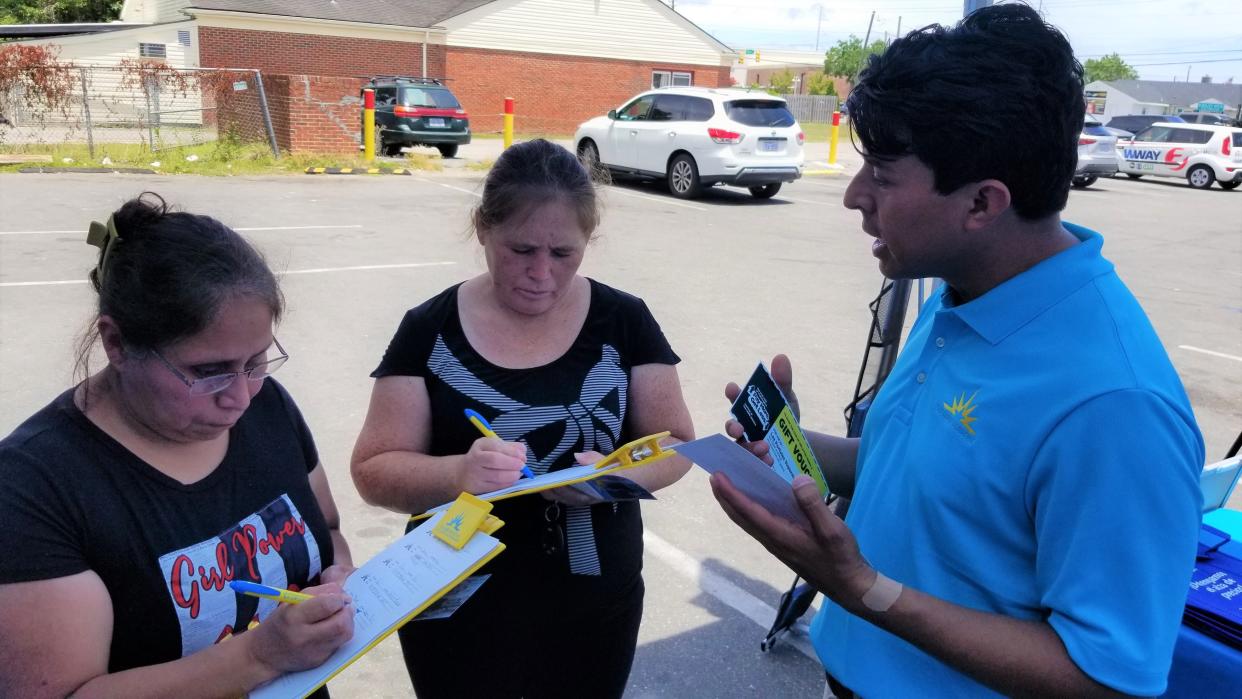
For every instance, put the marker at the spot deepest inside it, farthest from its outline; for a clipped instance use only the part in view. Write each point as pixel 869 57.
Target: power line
pixel 1184 63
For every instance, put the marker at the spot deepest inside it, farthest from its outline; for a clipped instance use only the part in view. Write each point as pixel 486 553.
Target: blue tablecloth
pixel 1204 668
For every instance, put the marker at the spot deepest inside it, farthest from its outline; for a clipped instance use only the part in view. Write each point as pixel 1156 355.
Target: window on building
pixel 152 50
pixel 670 78
pixel 183 37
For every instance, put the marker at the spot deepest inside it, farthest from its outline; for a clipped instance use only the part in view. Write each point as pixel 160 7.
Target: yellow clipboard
pixel 640 452
pixel 459 562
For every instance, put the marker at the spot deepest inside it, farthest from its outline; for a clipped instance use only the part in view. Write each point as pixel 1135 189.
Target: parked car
pixel 696 137
pixel 417 112
pixel 1210 118
pixel 1135 123
pixel 1097 154
pixel 1202 154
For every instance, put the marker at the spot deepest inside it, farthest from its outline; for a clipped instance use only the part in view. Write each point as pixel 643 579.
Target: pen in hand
pixel 279 594
pixel 481 424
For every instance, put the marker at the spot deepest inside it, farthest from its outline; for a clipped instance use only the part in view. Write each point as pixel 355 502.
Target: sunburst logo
pixel 963 409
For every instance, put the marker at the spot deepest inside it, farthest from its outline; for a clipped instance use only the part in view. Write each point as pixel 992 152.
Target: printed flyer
pixel 765 414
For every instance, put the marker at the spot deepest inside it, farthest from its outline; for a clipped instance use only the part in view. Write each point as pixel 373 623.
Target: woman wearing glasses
pixel 132 500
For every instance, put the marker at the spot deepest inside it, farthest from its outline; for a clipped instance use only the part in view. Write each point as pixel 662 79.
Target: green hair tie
pixel 104 237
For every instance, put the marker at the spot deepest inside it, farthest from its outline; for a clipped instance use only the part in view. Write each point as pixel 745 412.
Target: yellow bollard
pixel 832 138
pixel 368 125
pixel 508 122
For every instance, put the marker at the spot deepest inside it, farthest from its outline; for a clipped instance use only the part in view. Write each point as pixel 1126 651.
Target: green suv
pixel 417 112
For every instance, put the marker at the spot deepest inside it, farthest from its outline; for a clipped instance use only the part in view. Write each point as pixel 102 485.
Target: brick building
pixel 564 61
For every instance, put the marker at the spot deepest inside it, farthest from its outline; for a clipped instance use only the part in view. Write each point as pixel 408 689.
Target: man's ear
pixel 113 342
pixel 988 200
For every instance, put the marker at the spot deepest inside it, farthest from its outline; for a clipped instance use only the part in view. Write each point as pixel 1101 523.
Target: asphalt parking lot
pixel 732 281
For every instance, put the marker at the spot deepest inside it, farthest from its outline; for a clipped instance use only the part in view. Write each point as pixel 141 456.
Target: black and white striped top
pixel 578 402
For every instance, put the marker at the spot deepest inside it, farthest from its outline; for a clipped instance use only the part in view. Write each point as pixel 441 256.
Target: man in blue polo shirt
pixel 1026 490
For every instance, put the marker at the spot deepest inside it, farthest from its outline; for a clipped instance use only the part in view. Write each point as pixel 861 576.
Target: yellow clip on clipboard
pixel 640 452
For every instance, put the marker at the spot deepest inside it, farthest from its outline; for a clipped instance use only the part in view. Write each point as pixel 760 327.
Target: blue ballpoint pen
pixel 481 423
pixel 279 594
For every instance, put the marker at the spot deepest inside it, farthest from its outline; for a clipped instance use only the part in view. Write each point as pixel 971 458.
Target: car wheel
pixel 588 153
pixel 1229 185
pixel 392 150
pixel 683 177
pixel 1084 181
pixel 766 191
pixel 447 150
pixel 1133 176
pixel 1200 177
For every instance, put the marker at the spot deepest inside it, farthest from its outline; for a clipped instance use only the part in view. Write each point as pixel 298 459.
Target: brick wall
pixel 313 54
pixel 312 83
pixel 554 93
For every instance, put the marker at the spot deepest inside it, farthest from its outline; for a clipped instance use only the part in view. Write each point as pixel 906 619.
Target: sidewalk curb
pixel 92 170
pixel 357 171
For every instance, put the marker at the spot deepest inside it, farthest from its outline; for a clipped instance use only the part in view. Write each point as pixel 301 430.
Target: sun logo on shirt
pixel 963 408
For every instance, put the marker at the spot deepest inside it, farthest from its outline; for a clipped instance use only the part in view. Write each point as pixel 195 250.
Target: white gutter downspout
pixel 426 38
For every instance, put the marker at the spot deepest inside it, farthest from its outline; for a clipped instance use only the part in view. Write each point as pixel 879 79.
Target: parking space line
pixel 319 270
pixel 471 192
pixel 239 230
pixel 1214 354
pixel 809 201
pixel 717 586
pixel 356 268
pixel 619 190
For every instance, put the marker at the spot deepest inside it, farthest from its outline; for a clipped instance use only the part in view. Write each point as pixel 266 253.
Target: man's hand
pixel 825 555
pixel 782 374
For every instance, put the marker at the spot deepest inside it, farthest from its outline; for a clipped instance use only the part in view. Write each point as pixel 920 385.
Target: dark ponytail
pixel 166 274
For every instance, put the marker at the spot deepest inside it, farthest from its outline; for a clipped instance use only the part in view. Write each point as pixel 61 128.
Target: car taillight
pixel 1084 141
pixel 461 114
pixel 724 136
pixel 801 138
pixel 405 111
pixel 1224 145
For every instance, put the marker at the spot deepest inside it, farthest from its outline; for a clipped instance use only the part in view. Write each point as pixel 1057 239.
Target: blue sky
pixel 1162 39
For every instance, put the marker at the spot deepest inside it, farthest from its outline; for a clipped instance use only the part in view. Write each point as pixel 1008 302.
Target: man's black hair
pixel 998 96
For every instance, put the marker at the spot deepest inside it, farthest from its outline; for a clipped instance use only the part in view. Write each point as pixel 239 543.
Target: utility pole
pixel 898 34
pixel 864 48
pixel 819 26
pixel 1188 73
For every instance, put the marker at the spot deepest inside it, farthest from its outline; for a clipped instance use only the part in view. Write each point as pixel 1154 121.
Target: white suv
pixel 696 137
pixel 1202 154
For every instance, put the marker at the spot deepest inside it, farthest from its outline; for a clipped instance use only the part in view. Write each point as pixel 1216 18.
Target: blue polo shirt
pixel 1032 454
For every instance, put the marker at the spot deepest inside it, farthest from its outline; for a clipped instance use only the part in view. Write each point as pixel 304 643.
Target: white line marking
pixel 809 201
pixel 319 270
pixel 471 192
pixel 662 200
pixel 53 283
pixel 240 230
pixel 364 267
pixel 1214 354
pixel 750 606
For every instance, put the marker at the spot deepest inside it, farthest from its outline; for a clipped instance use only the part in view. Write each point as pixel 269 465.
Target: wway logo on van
pixel 1142 154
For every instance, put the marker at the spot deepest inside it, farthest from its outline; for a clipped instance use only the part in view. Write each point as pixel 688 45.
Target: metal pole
pixel 864 49
pixel 267 115
pixel 508 123
pixel 368 125
pixel 86 114
pixel 819 26
pixel 426 38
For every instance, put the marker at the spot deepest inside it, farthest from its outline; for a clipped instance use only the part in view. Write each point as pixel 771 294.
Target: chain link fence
pixel 147 103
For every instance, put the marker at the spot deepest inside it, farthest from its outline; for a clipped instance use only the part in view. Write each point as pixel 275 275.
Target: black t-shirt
pixel 575 403
pixel 73 499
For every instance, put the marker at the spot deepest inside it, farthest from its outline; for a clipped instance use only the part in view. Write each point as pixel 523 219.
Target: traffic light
pixel 756 55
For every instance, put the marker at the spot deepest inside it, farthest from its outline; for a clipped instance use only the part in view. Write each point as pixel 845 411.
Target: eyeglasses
pixel 218 382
